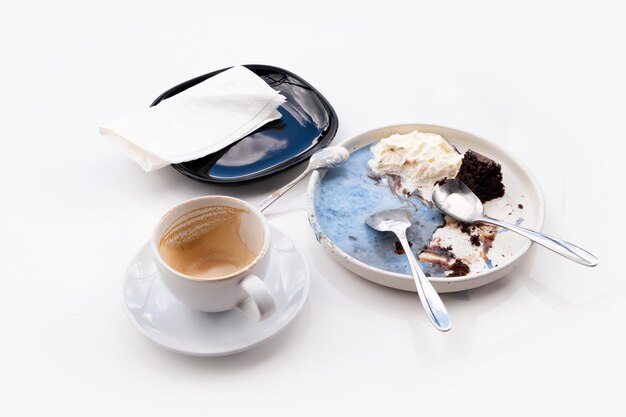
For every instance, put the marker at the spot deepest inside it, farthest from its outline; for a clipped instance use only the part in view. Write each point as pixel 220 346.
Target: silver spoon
pixel 456 200
pixel 397 221
pixel 329 157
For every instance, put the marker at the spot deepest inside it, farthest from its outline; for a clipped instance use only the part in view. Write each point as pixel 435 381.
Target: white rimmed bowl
pixel 509 248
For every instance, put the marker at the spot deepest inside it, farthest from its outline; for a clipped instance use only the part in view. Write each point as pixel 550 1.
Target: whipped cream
pixel 419 158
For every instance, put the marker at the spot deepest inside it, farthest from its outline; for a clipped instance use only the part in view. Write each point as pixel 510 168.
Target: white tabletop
pixel 546 82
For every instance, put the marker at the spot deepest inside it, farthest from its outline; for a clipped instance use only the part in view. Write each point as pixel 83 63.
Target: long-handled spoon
pixel 397 221
pixel 456 200
pixel 329 157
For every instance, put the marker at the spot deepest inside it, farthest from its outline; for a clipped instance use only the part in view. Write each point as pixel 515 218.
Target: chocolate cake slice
pixel 482 175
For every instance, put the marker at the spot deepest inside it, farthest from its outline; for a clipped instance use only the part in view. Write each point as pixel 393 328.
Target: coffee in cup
pixel 206 243
pixel 213 253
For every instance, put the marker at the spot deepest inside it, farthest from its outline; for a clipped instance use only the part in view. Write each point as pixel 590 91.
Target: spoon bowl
pixel 454 198
pixel 329 157
pixel 388 220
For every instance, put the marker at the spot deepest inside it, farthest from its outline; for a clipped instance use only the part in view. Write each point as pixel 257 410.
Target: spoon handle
pixel 435 309
pixel 278 193
pixel 559 246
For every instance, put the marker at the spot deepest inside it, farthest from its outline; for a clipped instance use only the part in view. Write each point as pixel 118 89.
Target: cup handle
pixel 260 303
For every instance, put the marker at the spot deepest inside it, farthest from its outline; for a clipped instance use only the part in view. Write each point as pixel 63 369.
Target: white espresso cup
pixel 244 288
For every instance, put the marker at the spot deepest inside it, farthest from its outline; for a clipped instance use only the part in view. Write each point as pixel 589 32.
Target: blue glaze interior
pixel 265 149
pixel 347 195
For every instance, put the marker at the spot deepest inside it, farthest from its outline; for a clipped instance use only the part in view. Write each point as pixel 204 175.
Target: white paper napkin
pixel 196 122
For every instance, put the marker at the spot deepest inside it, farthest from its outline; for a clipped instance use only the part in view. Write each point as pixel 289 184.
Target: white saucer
pixel 170 324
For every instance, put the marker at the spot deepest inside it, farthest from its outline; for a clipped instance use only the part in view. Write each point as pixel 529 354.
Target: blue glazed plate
pixel 308 123
pixel 331 230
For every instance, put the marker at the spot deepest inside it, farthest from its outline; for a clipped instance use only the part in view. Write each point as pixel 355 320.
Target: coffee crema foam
pixel 205 243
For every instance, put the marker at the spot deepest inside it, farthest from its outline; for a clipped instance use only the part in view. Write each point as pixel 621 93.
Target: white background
pixel 547 81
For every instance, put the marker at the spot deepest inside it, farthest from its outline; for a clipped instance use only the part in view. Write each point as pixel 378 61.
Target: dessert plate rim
pixel 405 282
